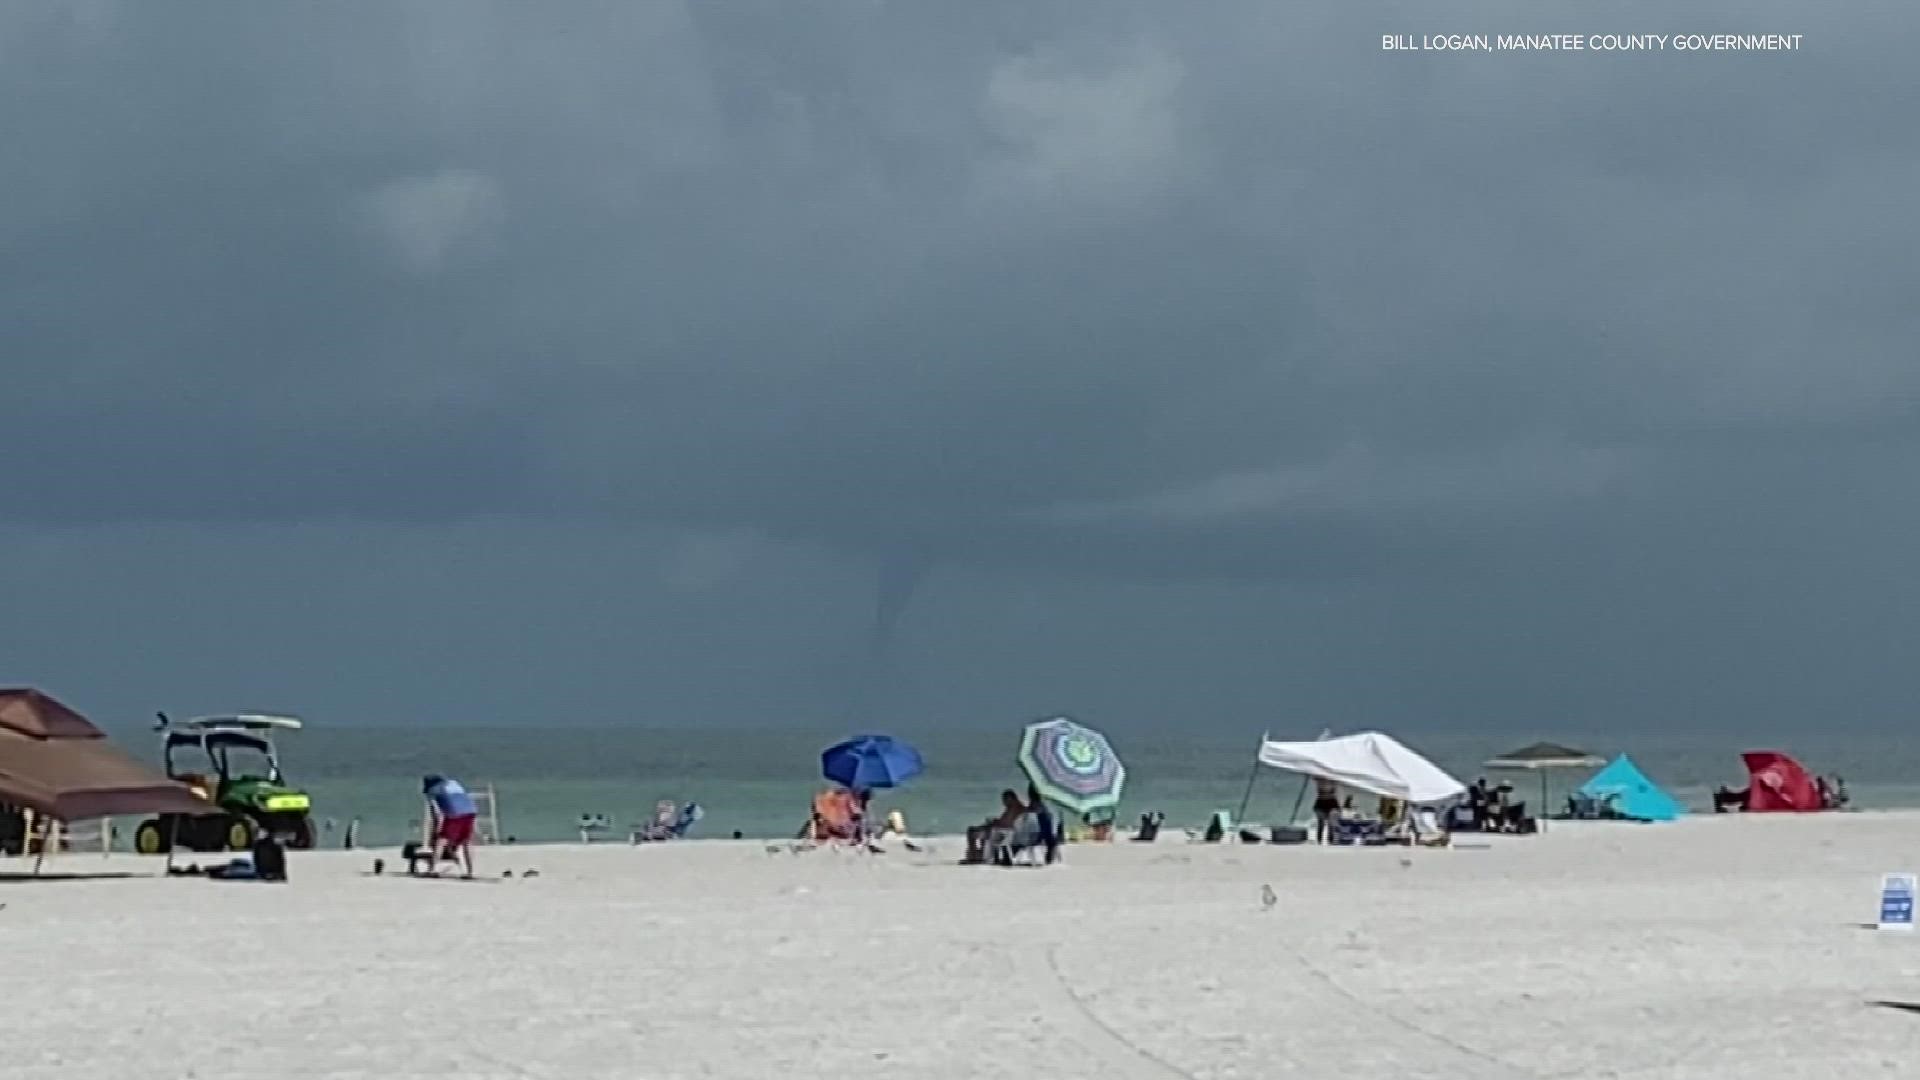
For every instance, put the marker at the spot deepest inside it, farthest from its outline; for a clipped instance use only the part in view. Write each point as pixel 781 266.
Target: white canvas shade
pixel 1369 761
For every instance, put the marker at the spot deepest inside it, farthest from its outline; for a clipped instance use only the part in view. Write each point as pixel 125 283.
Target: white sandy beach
pixel 1723 947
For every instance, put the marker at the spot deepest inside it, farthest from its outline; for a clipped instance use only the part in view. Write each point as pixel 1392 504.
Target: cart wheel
pixel 239 834
pixel 301 837
pixel 150 838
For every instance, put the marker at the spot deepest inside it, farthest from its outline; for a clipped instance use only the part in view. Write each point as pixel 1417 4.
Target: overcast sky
pixel 1167 363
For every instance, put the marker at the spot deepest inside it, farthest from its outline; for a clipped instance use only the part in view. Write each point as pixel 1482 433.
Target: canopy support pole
pixel 1294 815
pixel 46 837
pixel 173 840
pixel 1246 797
pixel 1540 815
pixel 1305 781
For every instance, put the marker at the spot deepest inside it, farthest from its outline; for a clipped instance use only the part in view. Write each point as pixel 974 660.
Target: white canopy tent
pixel 1369 761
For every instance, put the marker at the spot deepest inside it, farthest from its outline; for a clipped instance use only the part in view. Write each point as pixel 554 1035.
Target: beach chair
pixel 895 832
pixel 1095 827
pixel 1515 820
pixel 1217 829
pixel 1420 828
pixel 835 819
pixel 1026 841
pixel 1362 832
pixel 666 813
pixel 1428 830
pixel 1149 830
pixel 684 821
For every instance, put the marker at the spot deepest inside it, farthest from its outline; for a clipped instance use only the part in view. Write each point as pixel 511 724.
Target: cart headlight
pixel 285 803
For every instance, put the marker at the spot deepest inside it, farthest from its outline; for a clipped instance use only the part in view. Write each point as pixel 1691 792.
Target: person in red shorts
pixel 454 812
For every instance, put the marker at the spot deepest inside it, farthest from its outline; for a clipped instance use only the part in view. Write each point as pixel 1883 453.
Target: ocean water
pixel 761 783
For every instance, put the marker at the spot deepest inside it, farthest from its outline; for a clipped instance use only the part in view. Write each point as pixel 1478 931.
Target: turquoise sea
pixel 760 783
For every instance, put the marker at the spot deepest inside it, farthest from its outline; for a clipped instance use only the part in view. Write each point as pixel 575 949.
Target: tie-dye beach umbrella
pixel 1072 765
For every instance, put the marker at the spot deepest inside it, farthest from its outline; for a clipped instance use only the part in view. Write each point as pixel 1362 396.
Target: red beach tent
pixel 1777 784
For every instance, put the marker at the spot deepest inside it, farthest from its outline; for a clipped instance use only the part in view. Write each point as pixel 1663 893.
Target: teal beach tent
pixel 1622 785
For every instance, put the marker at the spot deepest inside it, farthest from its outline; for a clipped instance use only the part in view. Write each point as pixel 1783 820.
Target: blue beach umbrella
pixel 865 762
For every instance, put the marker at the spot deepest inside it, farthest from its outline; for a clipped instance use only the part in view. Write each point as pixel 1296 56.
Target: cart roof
pixel 240 722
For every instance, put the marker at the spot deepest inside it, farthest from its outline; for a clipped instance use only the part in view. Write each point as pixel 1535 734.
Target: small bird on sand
pixel 1268 898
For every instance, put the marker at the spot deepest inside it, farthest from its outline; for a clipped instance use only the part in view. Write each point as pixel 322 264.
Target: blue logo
pixel 1896 901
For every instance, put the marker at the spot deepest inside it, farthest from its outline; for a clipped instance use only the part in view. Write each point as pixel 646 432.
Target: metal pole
pixel 1247 797
pixel 1294 815
pixel 1253 775
pixel 1540 814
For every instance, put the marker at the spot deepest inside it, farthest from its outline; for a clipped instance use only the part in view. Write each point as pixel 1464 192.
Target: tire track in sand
pixel 1061 1005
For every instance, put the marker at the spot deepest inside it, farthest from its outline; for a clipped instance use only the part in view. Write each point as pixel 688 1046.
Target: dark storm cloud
pixel 1152 289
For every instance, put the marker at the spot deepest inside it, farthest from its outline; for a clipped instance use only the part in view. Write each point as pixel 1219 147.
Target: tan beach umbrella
pixel 1544 757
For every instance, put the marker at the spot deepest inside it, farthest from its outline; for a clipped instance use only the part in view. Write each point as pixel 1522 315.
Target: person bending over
pixel 454 814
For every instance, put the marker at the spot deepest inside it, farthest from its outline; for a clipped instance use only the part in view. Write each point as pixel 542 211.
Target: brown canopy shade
pixel 55 762
pixel 37 716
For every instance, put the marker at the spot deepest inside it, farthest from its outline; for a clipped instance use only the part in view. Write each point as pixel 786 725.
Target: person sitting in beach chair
pixel 1096 827
pixel 669 822
pixel 1029 836
pixel 895 832
pixel 1011 811
pixel 835 818
pixel 659 826
pixel 1037 831
pixel 1516 821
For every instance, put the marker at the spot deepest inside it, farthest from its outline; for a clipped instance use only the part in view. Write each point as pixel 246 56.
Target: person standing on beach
pixel 454 811
pixel 1326 803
